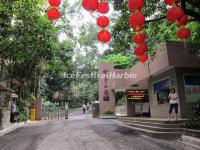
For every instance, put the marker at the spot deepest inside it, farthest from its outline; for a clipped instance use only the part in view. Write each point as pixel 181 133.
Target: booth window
pixel 5 101
pixel 192 88
pixel 161 91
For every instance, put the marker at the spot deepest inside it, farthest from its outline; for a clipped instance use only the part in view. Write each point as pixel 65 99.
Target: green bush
pixel 193 121
pixel 23 111
pixel 118 60
pixel 109 112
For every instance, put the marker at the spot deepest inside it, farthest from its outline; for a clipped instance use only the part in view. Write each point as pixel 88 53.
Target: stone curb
pixel 14 126
pixel 190 141
pixel 107 117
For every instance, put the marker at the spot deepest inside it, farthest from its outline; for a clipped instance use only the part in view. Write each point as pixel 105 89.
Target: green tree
pixel 30 49
pixel 158 29
pixel 118 60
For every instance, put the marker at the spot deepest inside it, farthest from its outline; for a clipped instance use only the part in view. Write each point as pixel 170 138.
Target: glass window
pixel 192 88
pixel 161 91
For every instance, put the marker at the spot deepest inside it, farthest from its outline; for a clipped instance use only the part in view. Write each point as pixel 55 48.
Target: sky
pixel 76 22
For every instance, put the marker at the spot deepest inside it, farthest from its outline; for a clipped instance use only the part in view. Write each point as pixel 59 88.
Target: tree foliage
pixel 30 51
pixel 158 29
pixel 118 60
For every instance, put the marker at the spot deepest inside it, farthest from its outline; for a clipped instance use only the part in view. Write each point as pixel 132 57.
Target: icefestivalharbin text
pixel 109 75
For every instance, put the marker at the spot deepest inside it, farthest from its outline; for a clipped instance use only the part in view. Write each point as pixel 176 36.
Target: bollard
pixel 94 114
pixel 32 114
pixel 66 114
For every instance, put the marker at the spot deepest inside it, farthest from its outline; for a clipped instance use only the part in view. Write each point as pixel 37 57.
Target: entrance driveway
pixel 82 132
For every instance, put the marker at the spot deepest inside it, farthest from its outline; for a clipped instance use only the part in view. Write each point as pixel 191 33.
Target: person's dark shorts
pixel 173 106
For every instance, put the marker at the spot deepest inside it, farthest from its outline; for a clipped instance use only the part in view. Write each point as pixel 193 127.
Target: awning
pixel 6 90
pixel 14 95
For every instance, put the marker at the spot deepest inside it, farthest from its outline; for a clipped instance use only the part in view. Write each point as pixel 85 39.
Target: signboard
pixel 106 91
pixel 106 98
pixel 137 95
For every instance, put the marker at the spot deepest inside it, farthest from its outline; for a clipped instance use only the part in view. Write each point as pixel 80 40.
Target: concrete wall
pixel 160 110
pixel 179 56
pixel 186 107
pixel 6 117
pixel 106 84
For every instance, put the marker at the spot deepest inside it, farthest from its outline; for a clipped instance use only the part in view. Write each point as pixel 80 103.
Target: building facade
pixel 173 66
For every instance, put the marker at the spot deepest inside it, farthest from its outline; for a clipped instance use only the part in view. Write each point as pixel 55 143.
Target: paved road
pixel 82 132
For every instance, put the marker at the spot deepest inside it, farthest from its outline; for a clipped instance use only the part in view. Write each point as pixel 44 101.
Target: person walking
pixel 173 100
pixel 88 106
pixel 84 108
pixel 13 111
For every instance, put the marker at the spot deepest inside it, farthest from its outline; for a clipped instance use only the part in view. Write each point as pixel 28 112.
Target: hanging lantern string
pixel 103 21
pixel 53 12
pixel 137 20
pixel 176 15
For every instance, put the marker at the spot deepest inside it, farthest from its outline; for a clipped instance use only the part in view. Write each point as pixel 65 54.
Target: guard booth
pixel 138 103
pixel 6 96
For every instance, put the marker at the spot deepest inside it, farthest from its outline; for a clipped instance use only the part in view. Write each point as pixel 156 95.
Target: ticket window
pixel 161 91
pixel 136 98
pixel 130 108
pixel 5 101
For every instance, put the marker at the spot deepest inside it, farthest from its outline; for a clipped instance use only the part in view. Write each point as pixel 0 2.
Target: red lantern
pixel 183 33
pixel 140 50
pixel 175 13
pixel 90 5
pixel 103 21
pixel 55 3
pixel 138 28
pixel 104 36
pixel 137 19
pixel 143 58
pixel 183 21
pixel 171 2
pixel 135 5
pixel 103 8
pixel 53 13
pixel 139 38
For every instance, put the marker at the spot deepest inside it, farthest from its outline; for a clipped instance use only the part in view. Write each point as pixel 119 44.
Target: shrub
pixel 193 121
pixel 23 111
pixel 109 112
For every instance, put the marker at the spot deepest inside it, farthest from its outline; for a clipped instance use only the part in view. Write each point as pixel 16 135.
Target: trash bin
pixel 32 114
pixel 95 110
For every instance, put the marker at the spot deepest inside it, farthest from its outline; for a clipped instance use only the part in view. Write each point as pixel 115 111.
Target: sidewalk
pixel 14 126
pixel 190 141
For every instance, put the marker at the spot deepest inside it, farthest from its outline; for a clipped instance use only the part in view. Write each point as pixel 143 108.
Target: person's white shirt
pixel 84 106
pixel 14 108
pixel 173 98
